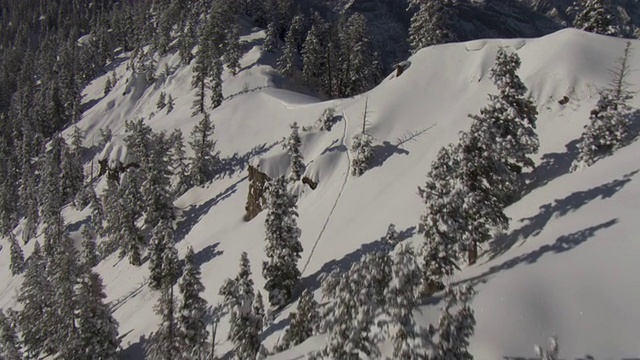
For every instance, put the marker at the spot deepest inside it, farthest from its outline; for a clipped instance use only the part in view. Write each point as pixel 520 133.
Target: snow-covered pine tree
pixel 287 61
pixel 164 267
pixel 430 24
pixel 506 127
pixel 179 164
pixel 72 173
pixel 455 326
pixel 205 158
pixel 98 329
pixel 188 37
pixel 108 85
pixel 271 38
pixel 551 353
pixel 391 237
pixel 162 101
pixel 258 310
pixel 156 189
pixel 35 296
pixel 216 82
pixel 360 67
pixel 96 221
pixel 608 129
pixel 51 196
pixel 16 264
pixel 283 246
pixel 327 118
pixel 233 51
pixel 312 58
pixel 193 310
pixel 201 72
pixel 90 256
pixel 401 302
pixel 304 322
pixel 361 149
pixel 595 16
pixel 238 296
pixel 164 344
pixel 104 137
pixel 441 218
pixel 170 104
pixel 125 232
pixel 9 340
pixel 292 146
pixel 29 201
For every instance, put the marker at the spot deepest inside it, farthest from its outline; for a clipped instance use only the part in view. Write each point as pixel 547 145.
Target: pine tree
pixel 98 329
pixel 201 72
pixel 608 129
pixel 551 353
pixel 430 24
pixel 164 266
pixel 232 52
pixel 361 149
pixel 271 38
pixel 107 86
pixel 595 16
pixel 104 137
pixel 156 189
pixel 192 313
pixel 90 256
pixel 9 340
pixel 51 196
pixel 312 58
pixel 402 302
pixel 35 296
pixel 126 233
pixel 179 164
pixel 304 322
pixel 292 145
pixel 455 328
pixel 72 173
pixel 359 66
pixel 205 157
pixel 391 237
pixel 258 311
pixel 170 104
pixel 29 202
pixel 238 296
pixel 164 344
pixel 162 102
pixel 216 83
pixel 16 264
pixel 287 61
pixel 283 246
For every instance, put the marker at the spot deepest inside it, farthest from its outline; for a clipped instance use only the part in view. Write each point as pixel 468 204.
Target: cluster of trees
pixel 596 16
pixel 471 182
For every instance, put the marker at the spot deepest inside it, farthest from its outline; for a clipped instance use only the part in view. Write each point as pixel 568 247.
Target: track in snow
pixel 335 204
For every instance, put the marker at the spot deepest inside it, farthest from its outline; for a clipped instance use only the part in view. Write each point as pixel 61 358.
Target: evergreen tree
pixel 164 266
pixel 9 340
pixel 89 247
pixel 16 263
pixel 98 329
pixel 430 24
pixel 216 83
pixel 29 202
pixel 104 137
pixel 164 344
pixel 312 58
pixel 608 129
pixel 595 16
pixel 391 237
pixel 359 66
pixel 156 188
pixel 179 164
pixel 271 38
pixel 401 302
pixel 283 246
pixel 205 157
pixel 292 145
pixel 232 52
pixel 170 104
pixel 96 220
pixel 108 85
pixel 454 328
pixel 162 102
pixel 188 37
pixel 238 296
pixel 289 57
pixel 258 311
pixel 192 313
pixel 51 196
pixel 72 173
pixel 361 149
pixel 124 230
pixel 551 353
pixel 303 322
pixel 35 296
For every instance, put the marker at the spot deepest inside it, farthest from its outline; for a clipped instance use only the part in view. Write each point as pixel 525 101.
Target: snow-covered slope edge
pixel 566 266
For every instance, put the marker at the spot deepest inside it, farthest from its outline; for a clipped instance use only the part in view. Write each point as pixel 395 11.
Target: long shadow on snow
pixel 134 351
pixel 236 163
pixel 382 153
pixel 553 166
pixel 195 212
pixel 313 281
pixel 560 207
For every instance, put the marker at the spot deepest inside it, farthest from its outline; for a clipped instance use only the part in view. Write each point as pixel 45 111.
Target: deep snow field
pixel 567 266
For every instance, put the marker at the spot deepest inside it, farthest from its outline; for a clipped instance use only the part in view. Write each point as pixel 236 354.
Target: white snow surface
pixel 567 266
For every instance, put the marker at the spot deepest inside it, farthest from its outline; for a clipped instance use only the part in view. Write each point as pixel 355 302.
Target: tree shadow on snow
pixel 134 351
pixel 534 225
pixel 194 213
pixel 553 166
pixel 314 281
pixel 235 163
pixel 382 153
pixel 207 254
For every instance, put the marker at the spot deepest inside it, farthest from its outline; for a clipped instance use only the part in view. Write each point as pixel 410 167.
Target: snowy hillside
pixel 566 266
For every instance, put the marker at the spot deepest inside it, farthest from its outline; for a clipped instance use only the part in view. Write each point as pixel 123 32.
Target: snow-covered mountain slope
pixel 566 266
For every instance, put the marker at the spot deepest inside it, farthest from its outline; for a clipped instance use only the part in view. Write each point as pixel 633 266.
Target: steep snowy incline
pixel 566 266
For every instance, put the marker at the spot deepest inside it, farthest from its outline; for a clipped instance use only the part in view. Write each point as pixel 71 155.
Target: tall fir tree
pixel 304 322
pixel 9 340
pixel 361 147
pixel 179 164
pixel 164 266
pixel 292 146
pixel 431 24
pixel 283 246
pixel 192 312
pixel 455 326
pixel 97 328
pixel 595 16
pixel 312 58
pixel 90 256
pixel 205 158
pixel 51 196
pixel 233 49
pixel 164 344
pixel 16 264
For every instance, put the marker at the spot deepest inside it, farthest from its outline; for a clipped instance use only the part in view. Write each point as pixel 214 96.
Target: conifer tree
pixel 283 246
pixel 216 82
pixel 179 164
pixel 238 296
pixel 258 311
pixel 287 61
pixel 205 157
pixel 90 256
pixel 97 328
pixel 9 340
pixel 125 231
pixel 162 101
pixel 170 104
pixel 271 38
pixel 192 313
pixel 156 189
pixel 16 264
pixel 164 266
pixel 361 149
pixel 35 296
pixel 391 237
pixel 29 202
pixel 430 24
pixel 595 16
pixel 232 52
pixel 292 145
pixel 164 344
pixel 608 129
pixel 201 72
pixel 72 173
pixel 51 196
pixel 359 70
pixel 312 58
pixel 455 328
pixel 304 321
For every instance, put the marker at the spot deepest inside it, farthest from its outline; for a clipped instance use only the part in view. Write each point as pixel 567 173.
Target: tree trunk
pixel 473 253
